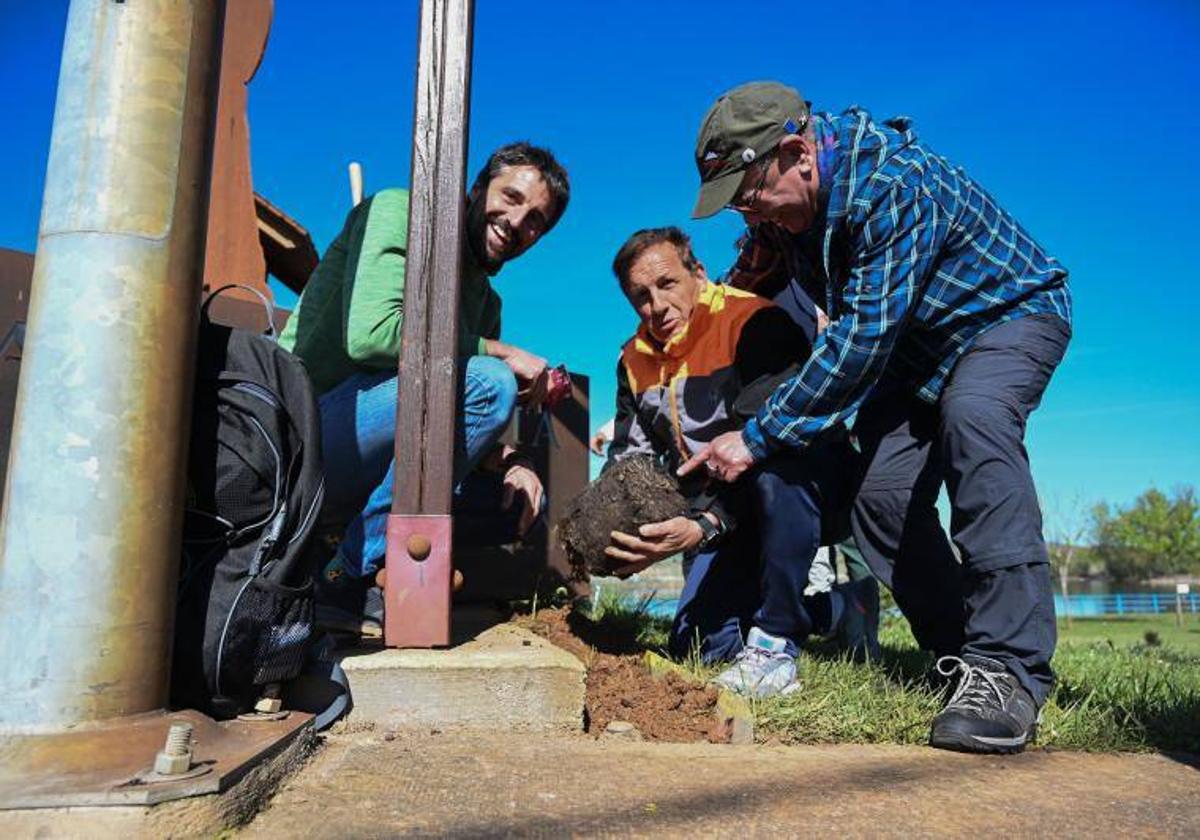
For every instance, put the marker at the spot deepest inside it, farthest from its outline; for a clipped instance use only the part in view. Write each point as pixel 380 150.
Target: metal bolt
pixel 176 754
pixel 418 547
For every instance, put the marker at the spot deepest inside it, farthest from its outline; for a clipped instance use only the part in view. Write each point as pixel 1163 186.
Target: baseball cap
pixel 743 124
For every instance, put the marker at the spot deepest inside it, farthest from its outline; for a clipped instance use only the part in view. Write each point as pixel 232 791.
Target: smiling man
pixel 701 361
pixel 347 326
pixel 946 322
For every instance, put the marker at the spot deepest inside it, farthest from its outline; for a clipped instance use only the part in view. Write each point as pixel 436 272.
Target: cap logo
pixel 747 155
pixel 711 164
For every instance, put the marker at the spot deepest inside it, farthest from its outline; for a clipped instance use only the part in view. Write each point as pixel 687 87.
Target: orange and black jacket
pixel 708 379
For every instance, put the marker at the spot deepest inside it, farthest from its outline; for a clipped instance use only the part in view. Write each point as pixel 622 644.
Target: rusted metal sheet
pixel 539 563
pixel 89 533
pixel 100 764
pixel 564 463
pixel 425 420
pixel 232 250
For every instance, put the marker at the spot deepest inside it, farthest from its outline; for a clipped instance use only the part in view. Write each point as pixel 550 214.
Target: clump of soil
pixel 633 492
pixel 620 686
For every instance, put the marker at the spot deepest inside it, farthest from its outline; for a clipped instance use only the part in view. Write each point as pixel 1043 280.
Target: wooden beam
pixel 418 588
pixel 428 359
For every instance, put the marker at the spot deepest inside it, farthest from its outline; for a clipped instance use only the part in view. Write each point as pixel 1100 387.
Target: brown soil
pixel 632 492
pixel 620 686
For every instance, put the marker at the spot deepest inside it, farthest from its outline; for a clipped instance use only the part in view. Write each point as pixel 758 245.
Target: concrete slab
pixel 510 785
pixel 504 678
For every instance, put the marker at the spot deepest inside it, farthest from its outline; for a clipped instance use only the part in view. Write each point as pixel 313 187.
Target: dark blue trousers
pixel 995 598
pixel 756 577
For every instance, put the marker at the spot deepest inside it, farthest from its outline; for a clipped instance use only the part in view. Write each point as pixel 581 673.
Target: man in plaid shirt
pixel 946 322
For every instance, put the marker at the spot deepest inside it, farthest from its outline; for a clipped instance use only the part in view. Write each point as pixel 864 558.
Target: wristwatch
pixel 711 533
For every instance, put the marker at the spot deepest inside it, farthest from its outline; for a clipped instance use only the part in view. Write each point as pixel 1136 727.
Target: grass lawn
pixel 1131 630
pixel 1115 691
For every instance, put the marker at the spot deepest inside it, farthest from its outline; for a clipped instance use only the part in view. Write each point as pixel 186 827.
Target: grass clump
pixel 1116 690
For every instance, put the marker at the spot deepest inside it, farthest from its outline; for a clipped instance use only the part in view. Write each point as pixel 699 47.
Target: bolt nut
pixel 269 705
pixel 176 754
pixel 172 765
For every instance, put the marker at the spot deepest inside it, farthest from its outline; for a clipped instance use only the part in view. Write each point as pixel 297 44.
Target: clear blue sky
pixel 1081 117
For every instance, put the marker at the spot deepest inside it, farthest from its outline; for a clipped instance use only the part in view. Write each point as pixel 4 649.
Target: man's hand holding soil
pixel 654 542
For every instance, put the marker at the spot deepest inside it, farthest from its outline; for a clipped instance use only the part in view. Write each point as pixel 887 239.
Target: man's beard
pixel 477 232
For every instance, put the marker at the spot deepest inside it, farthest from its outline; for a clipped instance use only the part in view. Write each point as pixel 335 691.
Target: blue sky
pixel 1080 117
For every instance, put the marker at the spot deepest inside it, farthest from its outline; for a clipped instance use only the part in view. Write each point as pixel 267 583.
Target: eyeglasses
pixel 747 203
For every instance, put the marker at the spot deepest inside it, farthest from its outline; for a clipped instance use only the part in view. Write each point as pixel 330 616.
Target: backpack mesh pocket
pixel 267 637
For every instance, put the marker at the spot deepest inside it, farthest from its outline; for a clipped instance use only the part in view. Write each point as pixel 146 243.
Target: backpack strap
pixel 270 308
pixel 322 688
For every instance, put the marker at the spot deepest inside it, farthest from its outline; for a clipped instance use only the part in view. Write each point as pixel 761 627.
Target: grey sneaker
pixel 763 668
pixel 989 712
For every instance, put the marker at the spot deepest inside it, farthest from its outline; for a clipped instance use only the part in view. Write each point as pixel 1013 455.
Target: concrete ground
pixel 383 784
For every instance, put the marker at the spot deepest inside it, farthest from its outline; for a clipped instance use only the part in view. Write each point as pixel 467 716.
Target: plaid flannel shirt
pixel 912 261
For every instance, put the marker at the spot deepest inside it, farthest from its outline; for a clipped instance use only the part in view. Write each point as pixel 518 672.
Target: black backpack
pixel 244 619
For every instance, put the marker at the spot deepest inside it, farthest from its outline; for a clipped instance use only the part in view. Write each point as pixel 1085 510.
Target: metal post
pixel 418 573
pixel 90 528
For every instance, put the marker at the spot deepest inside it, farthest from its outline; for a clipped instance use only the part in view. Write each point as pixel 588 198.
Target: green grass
pixel 1114 692
pixel 1132 630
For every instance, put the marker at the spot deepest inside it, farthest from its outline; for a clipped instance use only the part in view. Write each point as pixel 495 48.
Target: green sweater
pixel 348 318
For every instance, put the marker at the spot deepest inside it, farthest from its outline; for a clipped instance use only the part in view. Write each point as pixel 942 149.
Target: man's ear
pixel 795 149
pixel 701 273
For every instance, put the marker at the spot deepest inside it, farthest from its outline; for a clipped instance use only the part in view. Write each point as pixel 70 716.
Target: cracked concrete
pixel 459 784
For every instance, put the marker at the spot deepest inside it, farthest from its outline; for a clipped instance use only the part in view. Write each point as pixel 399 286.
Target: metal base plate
pixel 100 764
pixel 417 596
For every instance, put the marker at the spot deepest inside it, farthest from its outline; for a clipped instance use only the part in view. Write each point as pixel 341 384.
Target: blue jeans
pixel 757 575
pixel 358 427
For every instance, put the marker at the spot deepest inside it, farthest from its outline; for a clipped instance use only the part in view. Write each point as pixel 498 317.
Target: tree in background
pixel 1157 535
pixel 1067 526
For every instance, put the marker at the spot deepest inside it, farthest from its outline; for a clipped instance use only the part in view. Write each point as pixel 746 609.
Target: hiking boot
pixel 858 631
pixel 989 712
pixel 348 604
pixel 763 668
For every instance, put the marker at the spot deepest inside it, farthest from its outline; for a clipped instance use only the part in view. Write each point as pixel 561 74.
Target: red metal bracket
pixel 417 595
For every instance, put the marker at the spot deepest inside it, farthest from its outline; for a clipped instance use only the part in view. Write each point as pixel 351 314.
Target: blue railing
pixel 1118 603
pixel 1125 603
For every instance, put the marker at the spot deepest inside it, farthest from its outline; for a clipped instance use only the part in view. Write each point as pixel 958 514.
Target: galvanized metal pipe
pixel 90 527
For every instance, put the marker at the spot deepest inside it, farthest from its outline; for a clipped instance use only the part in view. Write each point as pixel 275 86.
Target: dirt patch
pixel 634 491
pixel 620 686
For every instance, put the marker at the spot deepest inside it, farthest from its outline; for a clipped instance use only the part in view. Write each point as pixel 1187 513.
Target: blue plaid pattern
pixel 912 262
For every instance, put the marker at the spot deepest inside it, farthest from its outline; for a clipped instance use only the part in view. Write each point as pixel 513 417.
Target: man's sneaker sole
pixel 790 688
pixel 344 623
pixel 954 738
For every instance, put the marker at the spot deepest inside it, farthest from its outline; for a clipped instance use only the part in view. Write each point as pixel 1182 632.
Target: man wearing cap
pixel 946 322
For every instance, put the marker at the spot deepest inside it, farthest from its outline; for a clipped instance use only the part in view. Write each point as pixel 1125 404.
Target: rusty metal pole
pixel 90 527
pixel 417 607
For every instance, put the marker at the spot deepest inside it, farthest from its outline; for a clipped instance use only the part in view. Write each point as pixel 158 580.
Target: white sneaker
pixel 762 669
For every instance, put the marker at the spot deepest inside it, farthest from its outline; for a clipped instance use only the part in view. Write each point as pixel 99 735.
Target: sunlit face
pixel 663 291
pixel 785 190
pixel 514 214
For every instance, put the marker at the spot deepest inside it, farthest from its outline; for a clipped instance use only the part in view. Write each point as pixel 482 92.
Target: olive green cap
pixel 743 124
